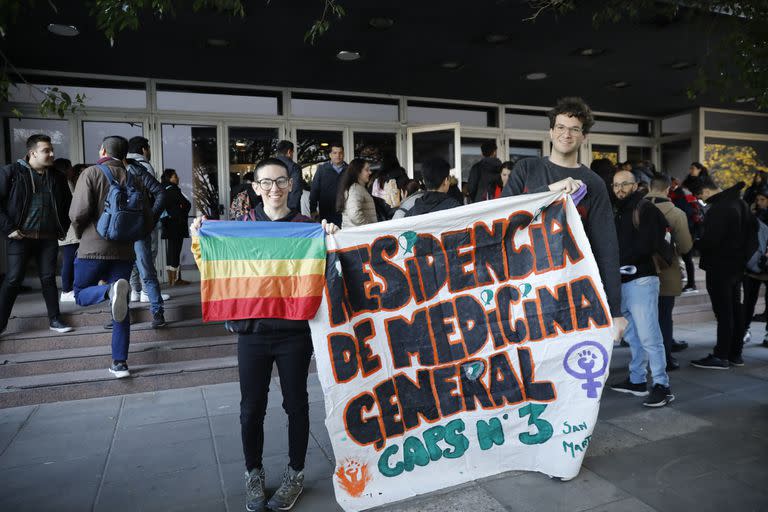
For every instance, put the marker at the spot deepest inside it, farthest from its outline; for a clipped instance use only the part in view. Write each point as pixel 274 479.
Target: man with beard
pixel 641 229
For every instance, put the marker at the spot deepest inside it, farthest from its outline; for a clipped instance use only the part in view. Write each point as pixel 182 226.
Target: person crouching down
pixel 262 342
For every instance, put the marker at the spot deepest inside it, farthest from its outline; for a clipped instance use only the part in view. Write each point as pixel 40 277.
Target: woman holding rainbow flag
pixel 280 335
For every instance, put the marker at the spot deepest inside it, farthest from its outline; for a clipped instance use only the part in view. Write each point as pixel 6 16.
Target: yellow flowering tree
pixel 730 163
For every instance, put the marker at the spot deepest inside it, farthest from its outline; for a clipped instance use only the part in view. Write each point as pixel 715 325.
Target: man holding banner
pixel 273 287
pixel 569 123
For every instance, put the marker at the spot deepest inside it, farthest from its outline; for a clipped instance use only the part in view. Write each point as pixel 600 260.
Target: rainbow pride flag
pixel 260 269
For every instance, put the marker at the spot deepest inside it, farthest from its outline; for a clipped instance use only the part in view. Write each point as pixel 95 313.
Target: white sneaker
pixel 747 337
pixel 145 297
pixel 135 296
pixel 67 296
pixel 118 299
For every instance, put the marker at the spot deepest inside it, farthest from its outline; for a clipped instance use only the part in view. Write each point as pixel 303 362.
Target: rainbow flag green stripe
pixel 261 248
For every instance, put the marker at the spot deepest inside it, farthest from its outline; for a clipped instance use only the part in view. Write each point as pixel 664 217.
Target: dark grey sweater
pixel 532 175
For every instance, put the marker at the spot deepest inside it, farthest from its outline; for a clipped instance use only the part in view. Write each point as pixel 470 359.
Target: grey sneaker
pixel 288 492
pixel 255 497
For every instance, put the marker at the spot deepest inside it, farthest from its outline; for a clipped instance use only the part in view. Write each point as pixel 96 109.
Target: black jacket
pixel 270 327
pixel 637 245
pixel 322 196
pixel 432 201
pixel 151 185
pixel 16 193
pixel 481 175
pixel 177 206
pixel 728 228
pixel 294 172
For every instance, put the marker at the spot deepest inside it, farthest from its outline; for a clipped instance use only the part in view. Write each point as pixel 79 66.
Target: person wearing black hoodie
pixel 262 342
pixel 728 240
pixel 484 173
pixel 640 228
pixel 436 174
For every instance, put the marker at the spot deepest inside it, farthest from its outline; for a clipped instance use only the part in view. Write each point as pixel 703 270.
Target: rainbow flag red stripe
pixel 260 269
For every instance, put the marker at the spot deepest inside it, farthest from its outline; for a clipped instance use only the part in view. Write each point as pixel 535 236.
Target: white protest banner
pixel 460 344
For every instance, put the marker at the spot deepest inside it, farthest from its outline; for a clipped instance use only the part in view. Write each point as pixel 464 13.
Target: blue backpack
pixel 123 217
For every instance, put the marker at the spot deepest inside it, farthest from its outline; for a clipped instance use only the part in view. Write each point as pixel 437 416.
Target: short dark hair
pixel 434 171
pixel 573 106
pixel 167 175
pixel 284 146
pixel 267 162
pixel 115 146
pixel 701 183
pixel 35 138
pixel 137 144
pixel 700 166
pixel 336 144
pixel 488 147
pixel 660 182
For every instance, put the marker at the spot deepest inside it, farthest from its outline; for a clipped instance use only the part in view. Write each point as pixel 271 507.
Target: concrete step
pixel 81 384
pixel 91 358
pixel 98 315
pixel 96 335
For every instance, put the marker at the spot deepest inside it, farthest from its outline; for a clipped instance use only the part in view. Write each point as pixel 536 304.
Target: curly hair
pixel 573 106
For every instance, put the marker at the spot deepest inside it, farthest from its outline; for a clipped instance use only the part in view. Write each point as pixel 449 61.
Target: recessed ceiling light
pixel 240 144
pixel 619 84
pixel 381 23
pixel 681 64
pixel 324 144
pixel 745 100
pixel 538 75
pixel 451 64
pixel 590 52
pixel 347 56
pixel 496 38
pixel 217 43
pixel 63 30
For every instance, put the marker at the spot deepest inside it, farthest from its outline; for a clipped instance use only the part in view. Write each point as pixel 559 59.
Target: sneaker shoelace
pixel 254 483
pixel 286 486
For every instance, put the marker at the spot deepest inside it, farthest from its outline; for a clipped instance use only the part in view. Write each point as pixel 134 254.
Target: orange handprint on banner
pixel 353 477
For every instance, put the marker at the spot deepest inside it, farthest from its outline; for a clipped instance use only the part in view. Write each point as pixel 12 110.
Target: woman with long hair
pixel 353 201
pixel 174 222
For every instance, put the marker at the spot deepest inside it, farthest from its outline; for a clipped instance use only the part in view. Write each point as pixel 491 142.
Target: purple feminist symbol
pixel 587 355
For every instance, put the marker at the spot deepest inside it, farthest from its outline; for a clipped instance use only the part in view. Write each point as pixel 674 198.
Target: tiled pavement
pixel 180 450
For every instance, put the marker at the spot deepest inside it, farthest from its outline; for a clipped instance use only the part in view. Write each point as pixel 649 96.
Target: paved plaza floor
pixel 180 450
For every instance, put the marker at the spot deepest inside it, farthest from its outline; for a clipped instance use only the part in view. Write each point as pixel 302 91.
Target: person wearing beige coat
pixel 353 201
pixel 670 276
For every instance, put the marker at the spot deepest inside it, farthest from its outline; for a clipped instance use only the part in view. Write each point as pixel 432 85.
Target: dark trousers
pixel 88 291
pixel 173 251
pixel 751 293
pixel 19 253
pixel 689 269
pixel 255 355
pixel 725 295
pixel 666 305
pixel 68 253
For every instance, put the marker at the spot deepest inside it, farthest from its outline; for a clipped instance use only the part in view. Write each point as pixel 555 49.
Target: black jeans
pixel 689 269
pixel 255 355
pixel 666 305
pixel 725 294
pixel 173 251
pixel 68 253
pixel 19 252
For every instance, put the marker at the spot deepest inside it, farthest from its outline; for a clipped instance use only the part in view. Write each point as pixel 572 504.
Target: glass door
pixel 94 133
pixel 313 147
pixel 246 147
pixel 443 141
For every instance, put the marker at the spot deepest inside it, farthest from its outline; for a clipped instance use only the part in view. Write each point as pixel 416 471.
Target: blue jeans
pixel 146 251
pixel 640 306
pixel 88 273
